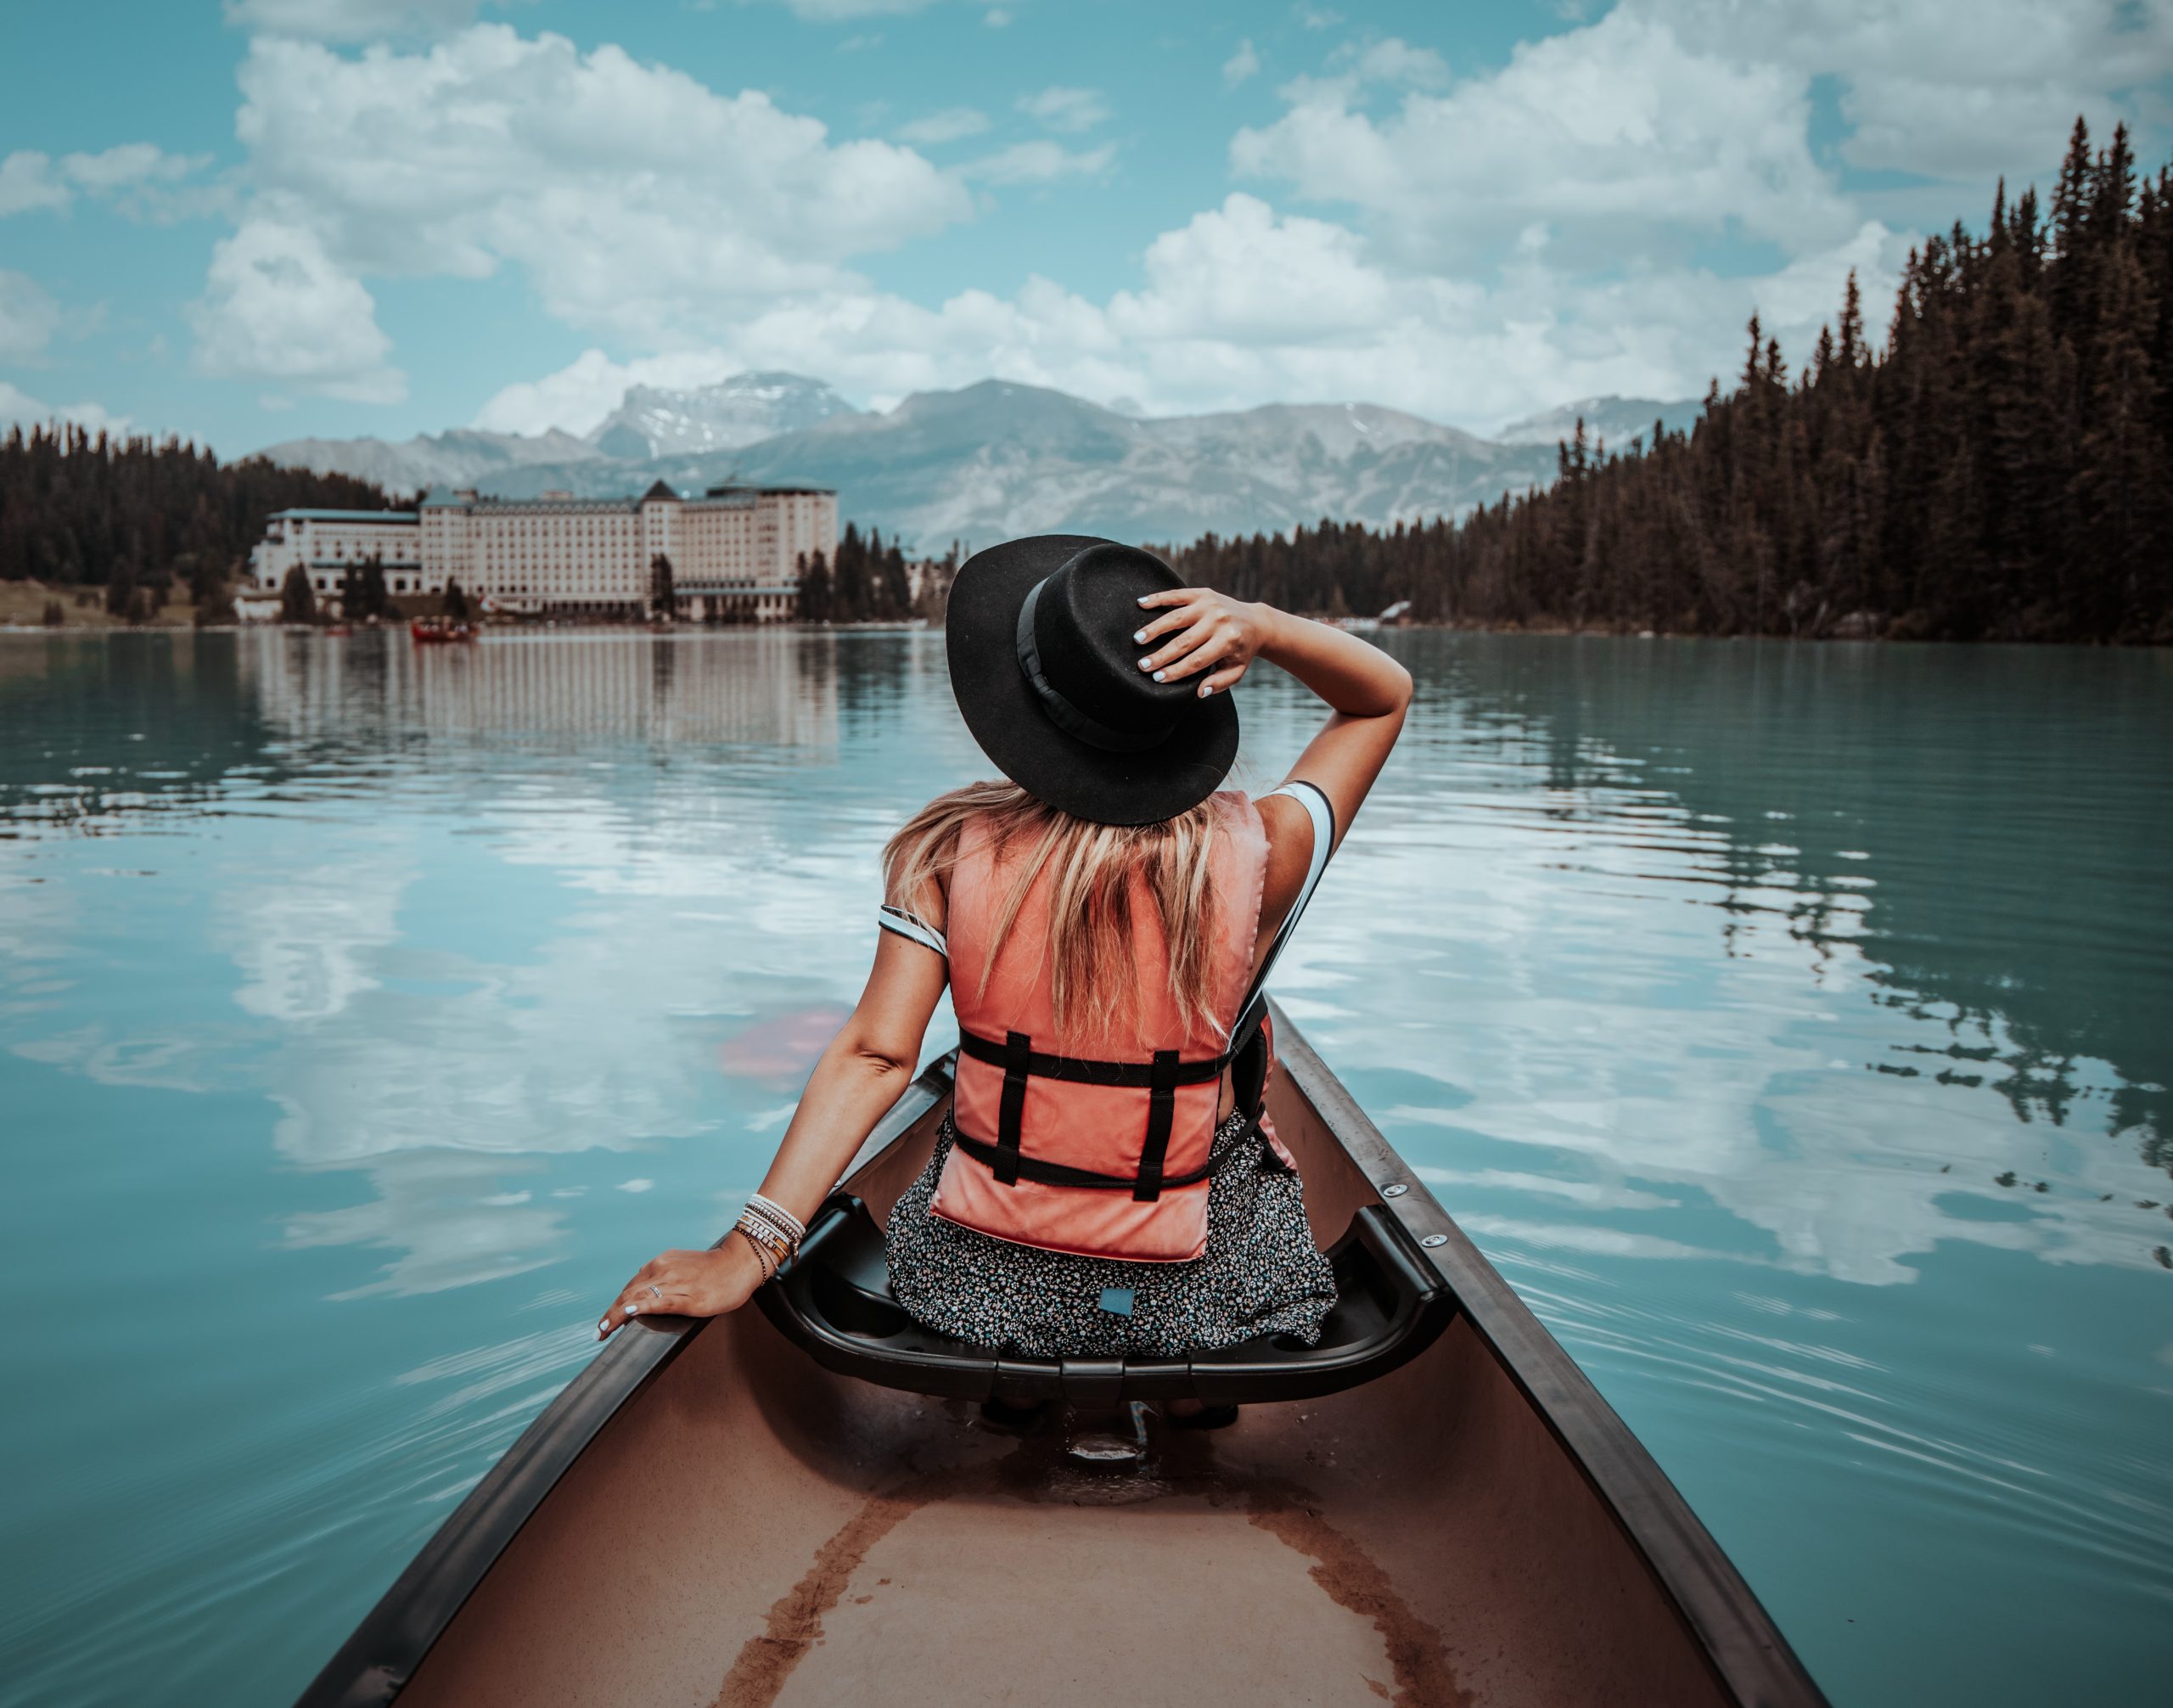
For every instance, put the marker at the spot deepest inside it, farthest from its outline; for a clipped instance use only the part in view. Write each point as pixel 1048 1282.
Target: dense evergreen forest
pixel 142 518
pixel 2002 470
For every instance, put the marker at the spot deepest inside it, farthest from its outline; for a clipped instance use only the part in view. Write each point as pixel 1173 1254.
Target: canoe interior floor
pixel 753 1529
pixel 998 1600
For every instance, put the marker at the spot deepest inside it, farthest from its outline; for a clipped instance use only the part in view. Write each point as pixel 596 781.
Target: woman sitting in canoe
pixel 1107 1184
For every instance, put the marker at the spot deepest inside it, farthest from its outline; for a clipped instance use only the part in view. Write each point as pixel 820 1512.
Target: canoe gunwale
pixel 1729 1626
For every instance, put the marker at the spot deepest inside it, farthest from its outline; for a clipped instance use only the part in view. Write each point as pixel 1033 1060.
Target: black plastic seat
pixel 834 1300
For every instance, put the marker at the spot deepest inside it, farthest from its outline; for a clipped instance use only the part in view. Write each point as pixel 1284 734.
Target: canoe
pixel 432 631
pixel 818 1501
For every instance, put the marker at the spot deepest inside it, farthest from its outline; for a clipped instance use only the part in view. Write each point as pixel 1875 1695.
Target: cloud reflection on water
pixel 1507 925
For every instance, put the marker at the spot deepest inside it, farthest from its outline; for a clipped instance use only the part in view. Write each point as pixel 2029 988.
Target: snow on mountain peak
pixel 659 421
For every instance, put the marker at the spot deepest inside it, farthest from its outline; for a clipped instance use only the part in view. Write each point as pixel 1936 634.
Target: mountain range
pixel 1612 421
pixel 997 460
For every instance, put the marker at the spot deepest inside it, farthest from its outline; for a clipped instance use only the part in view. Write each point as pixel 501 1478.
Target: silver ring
pixel 656 1289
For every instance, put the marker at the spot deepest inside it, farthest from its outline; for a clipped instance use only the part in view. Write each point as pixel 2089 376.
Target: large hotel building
pixel 735 553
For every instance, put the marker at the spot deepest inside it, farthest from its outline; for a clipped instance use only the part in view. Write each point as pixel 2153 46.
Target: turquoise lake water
pixel 1793 1026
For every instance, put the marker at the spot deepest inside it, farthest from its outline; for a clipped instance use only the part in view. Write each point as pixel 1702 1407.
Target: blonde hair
pixel 1095 872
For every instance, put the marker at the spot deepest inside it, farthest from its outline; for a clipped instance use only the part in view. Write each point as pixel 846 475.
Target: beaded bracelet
pixel 762 1216
pixel 763 1234
pixel 765 1238
pixel 764 1260
pixel 794 1229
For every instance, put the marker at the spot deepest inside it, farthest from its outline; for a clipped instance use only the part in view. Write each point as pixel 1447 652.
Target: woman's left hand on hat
pixel 1199 629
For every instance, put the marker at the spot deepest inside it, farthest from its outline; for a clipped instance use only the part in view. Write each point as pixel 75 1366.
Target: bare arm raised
pixel 1196 632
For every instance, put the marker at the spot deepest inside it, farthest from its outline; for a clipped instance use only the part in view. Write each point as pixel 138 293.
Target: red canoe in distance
pixel 432 632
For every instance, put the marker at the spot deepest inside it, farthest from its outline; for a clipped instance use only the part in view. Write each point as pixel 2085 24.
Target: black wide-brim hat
pixel 1039 634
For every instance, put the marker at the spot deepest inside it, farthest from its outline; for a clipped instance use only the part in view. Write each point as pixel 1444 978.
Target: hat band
pixel 1062 712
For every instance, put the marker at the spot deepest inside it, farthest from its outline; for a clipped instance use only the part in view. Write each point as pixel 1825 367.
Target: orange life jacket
pixel 1102 1143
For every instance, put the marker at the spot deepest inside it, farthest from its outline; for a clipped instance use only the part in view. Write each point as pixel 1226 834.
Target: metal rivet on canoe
pixel 1434 1239
pixel 1394 1188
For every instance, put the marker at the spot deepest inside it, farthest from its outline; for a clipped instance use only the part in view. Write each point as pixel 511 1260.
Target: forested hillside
pixel 1999 471
pixel 138 514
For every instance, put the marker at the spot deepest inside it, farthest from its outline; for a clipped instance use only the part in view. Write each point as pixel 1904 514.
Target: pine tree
pixel 897 600
pixel 297 598
pixel 2120 488
pixel 817 589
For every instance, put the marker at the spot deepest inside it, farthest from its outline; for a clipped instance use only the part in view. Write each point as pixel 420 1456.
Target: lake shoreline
pixel 1363 627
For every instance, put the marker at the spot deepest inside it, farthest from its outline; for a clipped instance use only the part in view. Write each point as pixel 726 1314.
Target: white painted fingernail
pixel 1147 664
pixel 1140 639
pixel 1143 598
pixel 633 1310
pixel 603 1327
pixel 1160 674
pixel 1205 689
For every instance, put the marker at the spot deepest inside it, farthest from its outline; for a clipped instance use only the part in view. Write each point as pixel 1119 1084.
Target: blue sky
pixel 257 220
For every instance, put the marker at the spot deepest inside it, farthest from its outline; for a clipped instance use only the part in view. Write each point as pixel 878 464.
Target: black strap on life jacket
pixel 1159 1078
pixel 1049 1174
pixel 1161 1114
pixel 1080 1069
pixel 1246 1058
pixel 1018 1063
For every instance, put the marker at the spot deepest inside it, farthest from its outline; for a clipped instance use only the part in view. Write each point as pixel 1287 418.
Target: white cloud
pixel 946 127
pixel 27 181
pixel 1491 244
pixel 138 174
pixel 638 200
pixel 277 307
pixel 28 316
pixel 128 163
pixel 1243 306
pixel 19 409
pixel 1239 274
pixel 1066 109
pixel 1394 60
pixel 1241 64
pixel 841 11
pixel 1038 162
pixel 1955 88
pixel 351 20
pixel 1630 140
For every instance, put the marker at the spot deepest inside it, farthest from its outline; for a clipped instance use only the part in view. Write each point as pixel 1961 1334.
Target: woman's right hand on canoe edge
pixel 686 1283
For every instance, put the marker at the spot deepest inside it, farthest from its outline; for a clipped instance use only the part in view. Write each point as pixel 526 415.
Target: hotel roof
pixel 347 515
pixel 459 498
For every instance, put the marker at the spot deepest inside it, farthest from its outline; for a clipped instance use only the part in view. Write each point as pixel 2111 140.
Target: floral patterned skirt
pixel 1261 1273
